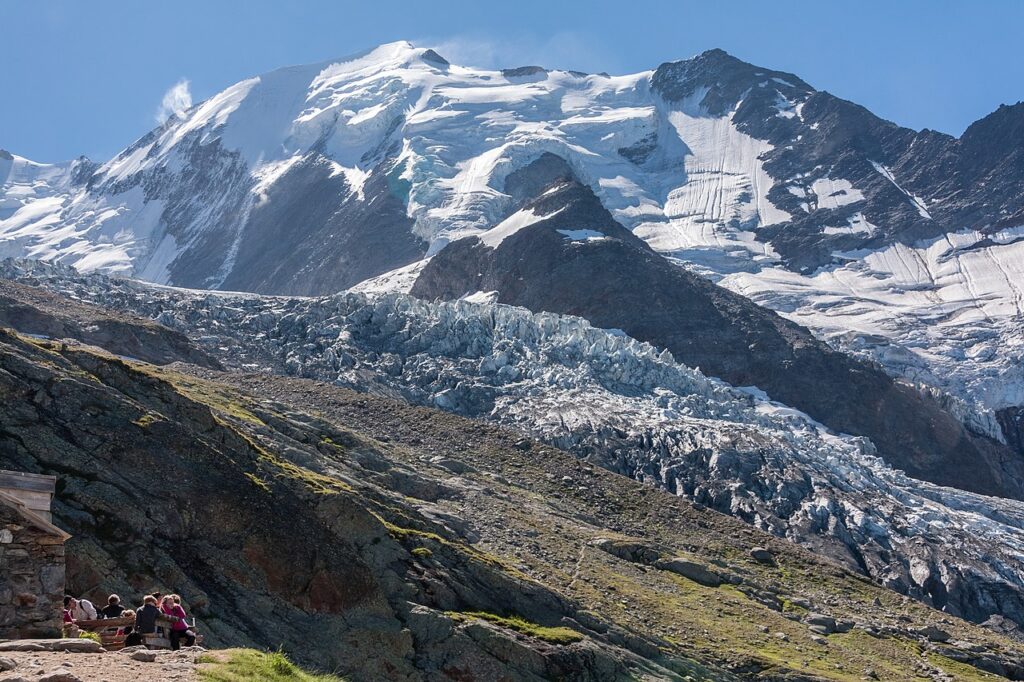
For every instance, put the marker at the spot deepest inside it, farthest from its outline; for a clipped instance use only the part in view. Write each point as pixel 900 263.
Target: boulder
pixel 143 656
pixel 690 570
pixel 77 646
pixel 762 555
pixel 821 623
pixel 7 664
pixel 933 634
pixel 22 645
pixel 453 465
pixel 636 552
pixel 59 676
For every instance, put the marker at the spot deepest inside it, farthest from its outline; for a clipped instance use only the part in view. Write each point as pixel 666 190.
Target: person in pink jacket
pixel 179 629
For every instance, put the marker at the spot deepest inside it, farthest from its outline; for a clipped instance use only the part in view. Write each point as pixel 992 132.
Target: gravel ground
pixel 121 666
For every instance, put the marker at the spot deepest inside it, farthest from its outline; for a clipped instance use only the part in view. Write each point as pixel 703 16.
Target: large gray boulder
pixel 690 570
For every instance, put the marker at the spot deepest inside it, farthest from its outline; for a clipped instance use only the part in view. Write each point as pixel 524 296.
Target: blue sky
pixel 89 77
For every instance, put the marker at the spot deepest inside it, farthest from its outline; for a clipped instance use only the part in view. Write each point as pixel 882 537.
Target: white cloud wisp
pixel 176 101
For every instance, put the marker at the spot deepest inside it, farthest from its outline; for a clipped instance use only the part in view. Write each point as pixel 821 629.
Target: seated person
pixel 69 628
pixel 171 606
pixel 145 619
pixel 82 609
pixel 131 635
pixel 113 609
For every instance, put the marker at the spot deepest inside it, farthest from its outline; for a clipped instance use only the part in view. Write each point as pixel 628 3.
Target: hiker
pixel 145 621
pixel 129 630
pixel 179 628
pixel 68 627
pixel 113 609
pixel 81 609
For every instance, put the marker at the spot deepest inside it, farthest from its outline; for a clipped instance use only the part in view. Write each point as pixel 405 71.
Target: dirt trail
pixel 63 666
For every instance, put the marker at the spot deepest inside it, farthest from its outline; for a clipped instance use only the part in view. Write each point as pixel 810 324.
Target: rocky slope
pixel 624 406
pixel 35 311
pixel 163 476
pixel 403 543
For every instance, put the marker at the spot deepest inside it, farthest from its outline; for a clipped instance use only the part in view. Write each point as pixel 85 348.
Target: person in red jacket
pixel 179 629
pixel 69 629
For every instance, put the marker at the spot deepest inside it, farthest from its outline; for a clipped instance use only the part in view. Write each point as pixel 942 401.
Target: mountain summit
pixel 292 158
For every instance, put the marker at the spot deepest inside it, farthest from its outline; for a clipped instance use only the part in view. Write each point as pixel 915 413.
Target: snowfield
pixel 946 313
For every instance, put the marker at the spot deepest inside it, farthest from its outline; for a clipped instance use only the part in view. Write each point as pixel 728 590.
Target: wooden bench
pixel 156 640
pixel 110 630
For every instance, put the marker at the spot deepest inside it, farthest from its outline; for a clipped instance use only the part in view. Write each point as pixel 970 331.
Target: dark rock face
pixel 619 282
pixel 313 235
pixel 722 80
pixel 309 234
pixel 1011 420
pixel 524 71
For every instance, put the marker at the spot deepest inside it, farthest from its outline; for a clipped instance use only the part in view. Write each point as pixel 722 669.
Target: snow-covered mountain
pixel 901 246
pixel 708 151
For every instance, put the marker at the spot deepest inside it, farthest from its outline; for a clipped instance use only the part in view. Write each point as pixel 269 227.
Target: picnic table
pixel 111 631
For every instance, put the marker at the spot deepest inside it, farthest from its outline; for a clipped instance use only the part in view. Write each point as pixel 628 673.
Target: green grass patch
pixel 147 420
pixel 94 636
pixel 258 482
pixel 556 635
pixel 790 607
pixel 247 665
pixel 422 552
pixel 214 396
pixel 960 671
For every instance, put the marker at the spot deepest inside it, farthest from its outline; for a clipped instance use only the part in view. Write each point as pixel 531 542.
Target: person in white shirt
pixel 82 609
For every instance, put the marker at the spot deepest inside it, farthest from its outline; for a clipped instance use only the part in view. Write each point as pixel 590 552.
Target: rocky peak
pixel 725 79
pixel 524 71
pixel 985 142
pixel 434 58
